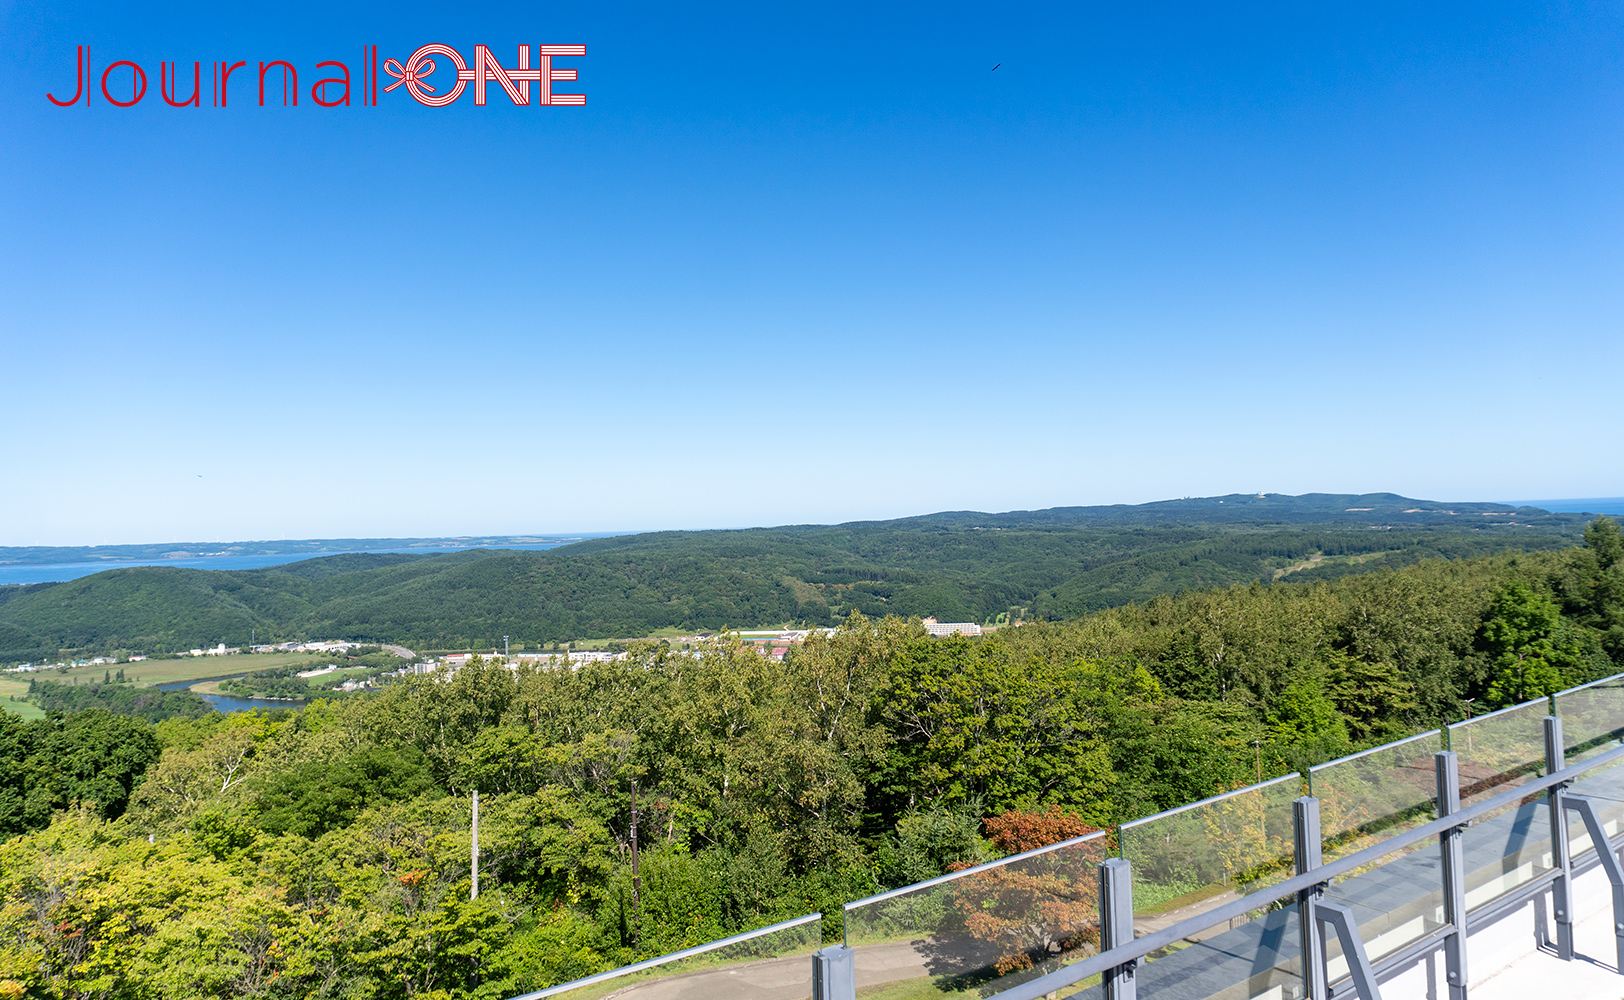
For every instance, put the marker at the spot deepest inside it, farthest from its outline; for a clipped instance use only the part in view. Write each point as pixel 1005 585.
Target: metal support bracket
pixel 1353 947
pixel 1447 771
pixel 1561 855
pixel 1305 827
pixel 1116 927
pixel 1609 863
pixel 834 973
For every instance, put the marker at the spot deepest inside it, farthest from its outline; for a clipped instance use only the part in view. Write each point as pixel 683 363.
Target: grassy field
pixel 16 706
pixel 213 686
pixel 188 668
pixel 207 670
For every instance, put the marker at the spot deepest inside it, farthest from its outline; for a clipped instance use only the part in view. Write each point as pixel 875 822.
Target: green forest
pixel 1054 564
pixel 325 852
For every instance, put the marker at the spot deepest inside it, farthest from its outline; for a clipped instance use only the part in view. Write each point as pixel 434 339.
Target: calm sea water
pixel 72 571
pixel 1611 506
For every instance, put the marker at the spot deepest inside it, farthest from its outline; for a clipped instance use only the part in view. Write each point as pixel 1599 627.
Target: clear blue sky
pixel 808 264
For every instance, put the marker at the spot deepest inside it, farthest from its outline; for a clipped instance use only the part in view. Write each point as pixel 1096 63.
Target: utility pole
pixel 1262 828
pixel 473 890
pixel 637 879
pixel 504 647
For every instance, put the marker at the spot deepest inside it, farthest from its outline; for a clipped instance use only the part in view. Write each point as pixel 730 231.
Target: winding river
pixel 227 702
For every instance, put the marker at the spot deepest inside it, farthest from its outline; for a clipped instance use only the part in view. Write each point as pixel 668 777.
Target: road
pixel 791 978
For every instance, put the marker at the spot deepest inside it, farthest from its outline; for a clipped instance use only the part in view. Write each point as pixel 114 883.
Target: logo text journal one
pixel 532 75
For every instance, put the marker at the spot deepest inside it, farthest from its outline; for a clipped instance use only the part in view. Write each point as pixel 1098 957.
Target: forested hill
pixel 956 565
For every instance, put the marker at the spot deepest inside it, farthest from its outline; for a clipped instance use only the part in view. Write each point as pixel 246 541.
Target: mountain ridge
pixel 958 565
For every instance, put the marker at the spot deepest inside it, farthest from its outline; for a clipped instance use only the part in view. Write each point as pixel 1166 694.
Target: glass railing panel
pixel 984 929
pixel 774 961
pixel 1373 795
pixel 1500 751
pixel 1189 860
pixel 1394 902
pixel 1592 717
pixel 1497 753
pixel 1365 799
pixel 1507 849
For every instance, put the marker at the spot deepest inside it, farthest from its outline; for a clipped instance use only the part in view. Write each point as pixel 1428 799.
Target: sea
pixel 1611 506
pixel 59 572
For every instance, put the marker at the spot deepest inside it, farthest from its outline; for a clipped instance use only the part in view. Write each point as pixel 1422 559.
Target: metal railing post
pixel 1305 826
pixel 1447 769
pixel 1116 926
pixel 1561 860
pixel 834 973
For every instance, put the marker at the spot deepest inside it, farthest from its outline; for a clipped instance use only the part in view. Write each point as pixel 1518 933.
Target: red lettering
pixel 487 69
pixel 79 83
pixel 318 91
pixel 196 99
pixel 138 84
pixel 286 69
pixel 225 78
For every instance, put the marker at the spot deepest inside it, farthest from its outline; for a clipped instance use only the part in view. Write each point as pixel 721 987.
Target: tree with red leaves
pixel 1016 831
pixel 1035 910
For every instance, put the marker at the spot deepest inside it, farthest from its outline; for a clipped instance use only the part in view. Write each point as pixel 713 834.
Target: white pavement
pixel 1540 975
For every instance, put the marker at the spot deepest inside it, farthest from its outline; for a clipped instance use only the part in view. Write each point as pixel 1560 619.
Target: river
pixel 227 702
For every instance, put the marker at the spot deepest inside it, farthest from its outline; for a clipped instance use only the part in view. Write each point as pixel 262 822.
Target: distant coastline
pixel 1611 506
pixel 23 565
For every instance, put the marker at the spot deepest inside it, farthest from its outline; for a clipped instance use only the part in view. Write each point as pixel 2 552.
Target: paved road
pixel 791 978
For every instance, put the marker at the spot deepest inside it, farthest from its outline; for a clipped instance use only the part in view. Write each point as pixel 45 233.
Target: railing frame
pixel 1307 847
pixel 1451 849
pixel 1561 859
pixel 1609 862
pixel 1116 926
pixel 1299 883
pixel 1122 954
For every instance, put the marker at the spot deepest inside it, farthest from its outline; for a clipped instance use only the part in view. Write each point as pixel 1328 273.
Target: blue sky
pixel 808 264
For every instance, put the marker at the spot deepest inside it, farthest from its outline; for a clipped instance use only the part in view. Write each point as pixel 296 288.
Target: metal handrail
pixel 977 870
pixel 649 963
pixel 1546 701
pixel 1581 687
pixel 1156 940
pixel 1437 733
pixel 1293 776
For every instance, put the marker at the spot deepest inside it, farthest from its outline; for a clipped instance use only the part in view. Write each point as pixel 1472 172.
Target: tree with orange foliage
pixel 1016 831
pixel 1035 910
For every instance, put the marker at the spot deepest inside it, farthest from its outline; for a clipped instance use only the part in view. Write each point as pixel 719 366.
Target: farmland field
pixel 146 673
pixel 16 706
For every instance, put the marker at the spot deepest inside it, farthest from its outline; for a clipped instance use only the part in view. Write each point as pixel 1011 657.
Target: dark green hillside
pixel 349 562
pixel 957 566
pixel 1385 509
